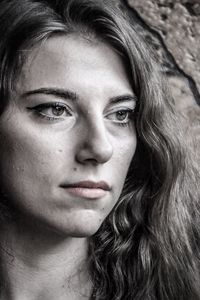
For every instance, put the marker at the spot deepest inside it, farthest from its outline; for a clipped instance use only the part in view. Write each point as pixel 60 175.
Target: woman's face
pixel 67 137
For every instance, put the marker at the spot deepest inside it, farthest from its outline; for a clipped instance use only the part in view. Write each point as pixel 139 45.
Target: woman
pixel 96 201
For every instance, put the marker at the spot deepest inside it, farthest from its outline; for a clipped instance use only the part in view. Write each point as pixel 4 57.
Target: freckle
pixel 75 169
pixel 19 169
pixel 60 150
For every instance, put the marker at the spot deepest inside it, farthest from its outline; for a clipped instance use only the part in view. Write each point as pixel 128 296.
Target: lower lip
pixel 86 192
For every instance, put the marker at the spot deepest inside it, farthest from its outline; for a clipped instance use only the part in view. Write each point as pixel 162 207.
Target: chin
pixel 78 227
pixel 75 232
pixel 74 223
pixel 83 230
pixel 83 223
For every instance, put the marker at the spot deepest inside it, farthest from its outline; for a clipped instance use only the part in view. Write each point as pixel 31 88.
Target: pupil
pixel 58 111
pixel 121 115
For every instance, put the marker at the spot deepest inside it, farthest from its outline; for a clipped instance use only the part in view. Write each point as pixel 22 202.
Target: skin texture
pixel 87 142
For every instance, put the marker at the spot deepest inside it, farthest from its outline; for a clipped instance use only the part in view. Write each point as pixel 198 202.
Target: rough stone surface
pixel 178 23
pixel 172 28
pixel 181 93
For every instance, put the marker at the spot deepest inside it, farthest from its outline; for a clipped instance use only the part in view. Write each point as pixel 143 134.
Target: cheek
pixel 28 158
pixel 123 157
pixel 126 151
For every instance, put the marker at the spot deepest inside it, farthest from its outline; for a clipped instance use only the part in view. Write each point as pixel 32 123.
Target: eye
pixel 121 117
pixel 52 111
pixel 58 110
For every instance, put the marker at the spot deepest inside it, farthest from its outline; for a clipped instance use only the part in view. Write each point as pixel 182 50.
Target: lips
pixel 88 189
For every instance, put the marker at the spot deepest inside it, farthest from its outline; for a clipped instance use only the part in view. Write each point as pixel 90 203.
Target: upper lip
pixel 89 184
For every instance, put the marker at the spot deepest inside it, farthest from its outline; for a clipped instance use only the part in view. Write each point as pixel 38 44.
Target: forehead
pixel 72 60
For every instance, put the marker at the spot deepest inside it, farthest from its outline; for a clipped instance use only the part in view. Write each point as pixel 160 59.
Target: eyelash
pixel 39 108
pixel 131 115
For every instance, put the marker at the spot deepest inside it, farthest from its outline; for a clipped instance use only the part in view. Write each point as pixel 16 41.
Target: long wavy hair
pixel 148 248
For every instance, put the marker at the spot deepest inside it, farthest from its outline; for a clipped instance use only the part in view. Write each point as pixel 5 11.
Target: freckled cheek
pixel 33 157
pixel 47 158
pixel 126 151
pixel 123 158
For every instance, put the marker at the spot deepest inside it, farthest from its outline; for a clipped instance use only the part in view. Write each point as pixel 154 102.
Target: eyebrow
pixel 70 95
pixel 60 93
pixel 123 98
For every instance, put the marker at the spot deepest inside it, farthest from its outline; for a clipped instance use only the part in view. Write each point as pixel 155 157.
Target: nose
pixel 95 146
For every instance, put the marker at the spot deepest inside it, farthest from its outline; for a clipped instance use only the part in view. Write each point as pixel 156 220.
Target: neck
pixel 38 266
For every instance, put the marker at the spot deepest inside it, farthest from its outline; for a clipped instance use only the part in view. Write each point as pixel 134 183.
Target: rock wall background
pixel 178 23
pixel 172 27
